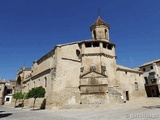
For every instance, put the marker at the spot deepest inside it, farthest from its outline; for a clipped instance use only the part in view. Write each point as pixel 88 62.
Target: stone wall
pixel 2 87
pixel 132 82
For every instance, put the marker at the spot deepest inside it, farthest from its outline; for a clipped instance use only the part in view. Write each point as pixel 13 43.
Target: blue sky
pixel 31 28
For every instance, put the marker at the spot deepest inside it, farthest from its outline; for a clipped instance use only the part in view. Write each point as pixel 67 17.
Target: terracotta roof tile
pixel 99 21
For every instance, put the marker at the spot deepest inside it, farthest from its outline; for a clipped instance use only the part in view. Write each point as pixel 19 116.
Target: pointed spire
pixel 98 22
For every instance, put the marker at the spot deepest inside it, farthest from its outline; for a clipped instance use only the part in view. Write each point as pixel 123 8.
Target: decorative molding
pixel 71 59
pixel 41 74
pixel 93 93
pixel 89 85
pixel 82 76
pixel 25 81
pixel 99 54
pixel 129 70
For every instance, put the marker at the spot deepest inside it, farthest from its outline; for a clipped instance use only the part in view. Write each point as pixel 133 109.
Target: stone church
pixel 83 72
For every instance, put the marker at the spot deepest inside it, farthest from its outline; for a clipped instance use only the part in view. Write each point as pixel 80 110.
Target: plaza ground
pixel 141 109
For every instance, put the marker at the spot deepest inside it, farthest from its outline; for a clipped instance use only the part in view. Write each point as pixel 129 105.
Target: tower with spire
pixel 100 30
pixel 98 65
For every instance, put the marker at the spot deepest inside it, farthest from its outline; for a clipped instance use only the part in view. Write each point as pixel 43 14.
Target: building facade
pixel 151 73
pixel 2 88
pixel 20 78
pixel 83 72
pixel 8 92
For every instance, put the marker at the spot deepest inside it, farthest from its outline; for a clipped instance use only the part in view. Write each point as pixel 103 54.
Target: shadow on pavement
pixel 36 109
pixel 5 115
pixel 151 107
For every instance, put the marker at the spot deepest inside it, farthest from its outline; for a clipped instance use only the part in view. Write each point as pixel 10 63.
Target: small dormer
pixel 100 30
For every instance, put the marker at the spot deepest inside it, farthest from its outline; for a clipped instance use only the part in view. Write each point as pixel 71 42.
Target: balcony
pixel 151 82
pixel 154 81
pixel 151 77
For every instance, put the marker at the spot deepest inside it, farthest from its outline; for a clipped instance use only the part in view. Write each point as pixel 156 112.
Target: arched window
pixel 78 53
pixel 105 31
pixel 45 81
pixel 136 85
pixel 94 33
pixel 18 83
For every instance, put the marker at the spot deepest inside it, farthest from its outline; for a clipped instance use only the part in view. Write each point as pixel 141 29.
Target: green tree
pixel 38 92
pixel 24 96
pixel 17 96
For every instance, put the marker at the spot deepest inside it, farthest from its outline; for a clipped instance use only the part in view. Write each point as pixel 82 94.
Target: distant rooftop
pixel 123 68
pixel 2 81
pixel 27 69
pixel 151 62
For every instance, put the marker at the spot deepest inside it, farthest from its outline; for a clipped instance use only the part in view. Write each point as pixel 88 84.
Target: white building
pixel 151 73
pixel 8 92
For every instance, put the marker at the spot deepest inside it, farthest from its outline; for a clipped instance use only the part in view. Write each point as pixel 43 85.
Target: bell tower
pixel 98 65
pixel 100 30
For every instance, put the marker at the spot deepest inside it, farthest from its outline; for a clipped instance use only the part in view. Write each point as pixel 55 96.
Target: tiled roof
pixel 151 62
pixel 119 67
pixel 99 21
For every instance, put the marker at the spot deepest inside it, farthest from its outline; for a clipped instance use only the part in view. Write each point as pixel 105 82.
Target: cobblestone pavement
pixel 120 112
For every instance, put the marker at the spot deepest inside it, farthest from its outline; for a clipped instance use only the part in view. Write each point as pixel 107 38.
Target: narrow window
pixel 127 95
pixel 45 81
pixel 144 69
pixel 94 33
pixel 78 53
pixel 104 45
pixel 136 85
pixel 151 67
pixel 103 69
pixel 110 47
pixel 105 31
pixel 96 44
pixel 125 72
pixel 88 44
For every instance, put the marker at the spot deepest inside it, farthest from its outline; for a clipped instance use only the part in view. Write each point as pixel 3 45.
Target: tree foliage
pixel 38 92
pixel 17 96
